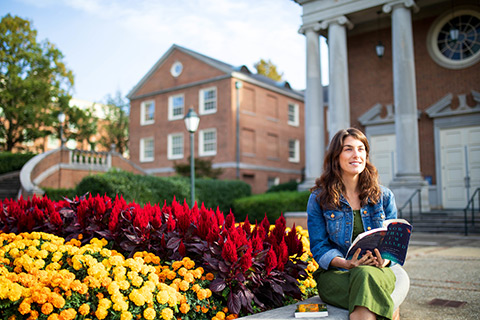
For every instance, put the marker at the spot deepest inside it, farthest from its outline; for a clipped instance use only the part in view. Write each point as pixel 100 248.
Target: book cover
pixel 311 310
pixel 391 240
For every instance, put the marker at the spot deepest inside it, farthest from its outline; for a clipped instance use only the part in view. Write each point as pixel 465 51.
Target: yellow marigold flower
pixel 204 309
pixel 101 313
pixel 202 294
pixel 231 317
pixel 189 264
pixel 33 315
pixel 53 316
pixel 153 277
pixel 126 316
pixel 68 314
pixel 162 297
pixel 120 306
pixel 156 259
pixel 104 303
pixel 123 285
pixel 209 293
pixel 57 300
pixel 24 307
pixel 136 297
pixel 210 276
pixel 176 265
pixel 15 292
pixel 220 315
pixel 196 287
pixel 12 317
pixel 215 318
pixel 137 281
pixel 84 309
pixel 47 308
pixel 189 277
pixel 184 285
pixel 184 308
pixel 149 313
pixel 167 314
pixel 182 272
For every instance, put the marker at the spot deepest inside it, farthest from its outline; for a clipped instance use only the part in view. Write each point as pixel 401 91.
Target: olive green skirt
pixel 364 286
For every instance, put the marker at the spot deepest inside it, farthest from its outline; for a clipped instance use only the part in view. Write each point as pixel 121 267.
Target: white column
pixel 314 120
pixel 408 176
pixel 338 89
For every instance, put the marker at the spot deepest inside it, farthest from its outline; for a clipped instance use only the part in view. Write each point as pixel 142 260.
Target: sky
pixel 111 44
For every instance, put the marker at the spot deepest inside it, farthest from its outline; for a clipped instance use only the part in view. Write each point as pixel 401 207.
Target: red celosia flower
pixel 229 251
pixel 230 221
pixel 257 243
pixel 294 243
pixel 247 226
pixel 279 230
pixel 265 223
pixel 220 217
pixel 270 261
pixel 114 215
pixel 55 219
pixel 246 260
pixel 181 249
pixel 282 254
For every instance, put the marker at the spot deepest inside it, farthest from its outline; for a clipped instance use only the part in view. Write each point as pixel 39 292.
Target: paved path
pixel 446 267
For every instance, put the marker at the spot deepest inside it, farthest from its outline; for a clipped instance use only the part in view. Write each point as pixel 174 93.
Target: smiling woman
pixel 346 201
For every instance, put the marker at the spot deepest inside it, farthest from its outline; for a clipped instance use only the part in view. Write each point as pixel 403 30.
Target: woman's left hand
pixel 380 263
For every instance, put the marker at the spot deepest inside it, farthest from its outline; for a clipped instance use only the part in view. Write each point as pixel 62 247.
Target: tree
pixel 268 69
pixel 82 124
pixel 116 124
pixel 34 84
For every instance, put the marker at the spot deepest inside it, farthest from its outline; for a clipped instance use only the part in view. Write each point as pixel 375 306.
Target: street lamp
pixel 61 120
pixel 191 123
pixel 238 86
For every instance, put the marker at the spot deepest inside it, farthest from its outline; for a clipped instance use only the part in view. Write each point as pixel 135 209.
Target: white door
pixel 382 155
pixel 459 156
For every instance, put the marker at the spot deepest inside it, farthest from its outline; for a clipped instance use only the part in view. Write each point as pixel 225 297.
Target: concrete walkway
pixel 442 267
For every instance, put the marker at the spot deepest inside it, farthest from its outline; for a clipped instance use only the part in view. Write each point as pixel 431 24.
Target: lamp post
pixel 191 123
pixel 238 86
pixel 61 120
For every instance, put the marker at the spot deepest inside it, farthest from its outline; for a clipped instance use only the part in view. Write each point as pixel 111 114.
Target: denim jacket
pixel 331 231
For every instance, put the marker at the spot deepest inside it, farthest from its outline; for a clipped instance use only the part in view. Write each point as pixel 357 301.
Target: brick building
pixel 270 117
pixel 419 102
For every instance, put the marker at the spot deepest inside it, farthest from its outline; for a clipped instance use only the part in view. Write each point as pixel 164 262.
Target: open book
pixel 311 310
pixel 391 240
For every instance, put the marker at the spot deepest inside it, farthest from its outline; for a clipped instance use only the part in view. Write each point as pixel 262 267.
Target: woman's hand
pixel 381 263
pixel 367 260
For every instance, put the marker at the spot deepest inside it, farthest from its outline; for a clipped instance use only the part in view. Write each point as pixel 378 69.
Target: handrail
pixel 472 202
pixel 409 202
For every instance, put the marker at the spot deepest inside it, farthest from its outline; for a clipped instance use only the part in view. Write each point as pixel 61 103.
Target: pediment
pixel 376 115
pixel 443 107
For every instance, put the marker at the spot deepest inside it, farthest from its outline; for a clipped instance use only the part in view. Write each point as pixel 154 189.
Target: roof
pixel 240 72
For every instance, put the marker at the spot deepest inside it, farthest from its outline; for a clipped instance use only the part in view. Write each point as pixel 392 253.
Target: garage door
pixel 382 155
pixel 460 156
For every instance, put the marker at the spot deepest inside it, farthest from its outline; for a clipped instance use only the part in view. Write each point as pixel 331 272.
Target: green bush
pixel 143 189
pixel 10 162
pixel 59 194
pixel 138 188
pixel 220 193
pixel 273 204
pixel 287 186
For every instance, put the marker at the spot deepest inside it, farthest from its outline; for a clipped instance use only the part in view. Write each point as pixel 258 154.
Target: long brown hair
pixel 330 182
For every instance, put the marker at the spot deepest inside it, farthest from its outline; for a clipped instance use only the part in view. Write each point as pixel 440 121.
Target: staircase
pixel 9 185
pixel 445 221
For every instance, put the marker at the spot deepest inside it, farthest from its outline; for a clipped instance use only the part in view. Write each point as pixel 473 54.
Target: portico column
pixel 407 177
pixel 338 89
pixel 314 120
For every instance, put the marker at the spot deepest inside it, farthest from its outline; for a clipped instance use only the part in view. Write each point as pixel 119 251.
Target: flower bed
pixel 165 262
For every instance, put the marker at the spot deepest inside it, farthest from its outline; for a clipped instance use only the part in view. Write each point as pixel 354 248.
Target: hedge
pixel 10 162
pixel 272 204
pixel 287 186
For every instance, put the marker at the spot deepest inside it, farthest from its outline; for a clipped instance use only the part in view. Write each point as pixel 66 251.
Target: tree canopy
pixel 115 129
pixel 34 84
pixel 268 69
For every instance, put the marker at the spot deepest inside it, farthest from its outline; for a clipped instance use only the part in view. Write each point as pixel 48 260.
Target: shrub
pixel 221 193
pixel 287 186
pixel 270 204
pixel 13 161
pixel 58 194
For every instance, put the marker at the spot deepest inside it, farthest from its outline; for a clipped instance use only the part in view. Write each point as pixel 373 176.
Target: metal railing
pixel 409 202
pixel 471 202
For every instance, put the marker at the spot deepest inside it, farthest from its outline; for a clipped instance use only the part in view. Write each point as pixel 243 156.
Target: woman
pixel 346 201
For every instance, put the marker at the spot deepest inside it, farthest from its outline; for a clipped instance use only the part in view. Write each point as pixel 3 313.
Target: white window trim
pixel 296 121
pixel 170 154
pixel 201 150
pixel 201 101
pixel 170 108
pixel 143 113
pixel 296 158
pixel 142 150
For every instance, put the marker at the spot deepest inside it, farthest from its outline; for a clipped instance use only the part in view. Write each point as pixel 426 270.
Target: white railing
pixel 91 159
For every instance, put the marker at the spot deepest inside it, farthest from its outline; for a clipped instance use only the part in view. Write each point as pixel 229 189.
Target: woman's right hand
pixel 368 259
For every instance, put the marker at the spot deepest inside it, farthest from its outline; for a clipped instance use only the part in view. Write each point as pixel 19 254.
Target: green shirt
pixel 357 224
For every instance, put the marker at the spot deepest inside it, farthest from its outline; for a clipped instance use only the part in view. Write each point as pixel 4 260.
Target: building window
pixel 176 69
pixel 453 41
pixel 146 150
pixel 207 142
pixel 176 106
pixel 147 112
pixel 293 117
pixel 175 146
pixel 248 142
pixel 272 108
pixel 294 150
pixel 208 100
pixel 272 146
pixel 272 181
